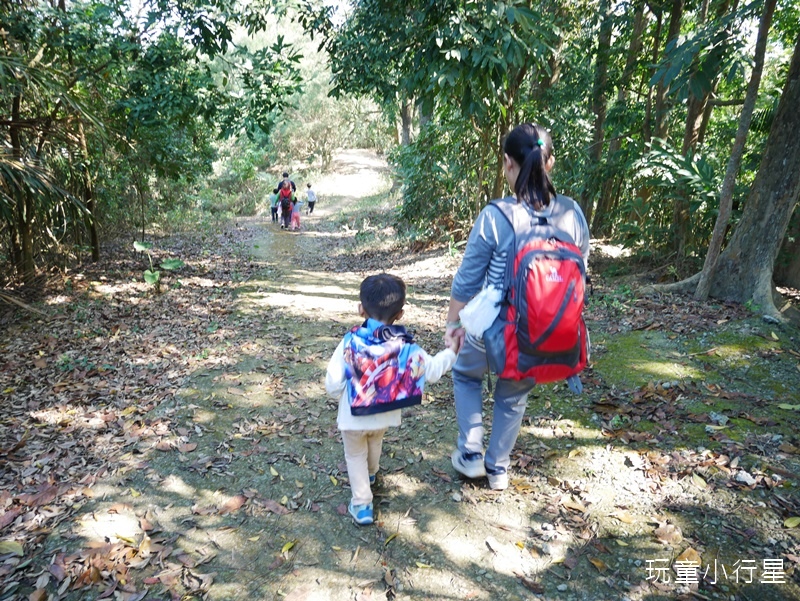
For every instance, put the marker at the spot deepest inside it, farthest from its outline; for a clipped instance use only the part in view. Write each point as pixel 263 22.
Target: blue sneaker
pixel 468 464
pixel 372 479
pixel 362 514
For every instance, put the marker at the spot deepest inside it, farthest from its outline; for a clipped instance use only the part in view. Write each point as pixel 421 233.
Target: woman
pixel 527 161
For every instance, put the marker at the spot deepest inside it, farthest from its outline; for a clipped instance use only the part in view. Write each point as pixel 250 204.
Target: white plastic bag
pixel 481 311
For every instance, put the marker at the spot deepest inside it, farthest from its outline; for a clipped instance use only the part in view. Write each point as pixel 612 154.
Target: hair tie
pixel 540 142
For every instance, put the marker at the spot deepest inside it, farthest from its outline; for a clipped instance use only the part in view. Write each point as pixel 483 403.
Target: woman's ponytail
pixel 531 147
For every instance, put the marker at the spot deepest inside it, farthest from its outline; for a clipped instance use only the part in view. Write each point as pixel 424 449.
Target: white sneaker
pixel 498 481
pixel 468 464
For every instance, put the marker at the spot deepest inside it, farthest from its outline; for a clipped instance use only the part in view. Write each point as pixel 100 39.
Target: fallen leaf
pixel 40 594
pixel 689 555
pixel 533 586
pixel 669 534
pixel 11 547
pixel 622 516
pixel 570 503
pixel 187 447
pixel 698 481
pixel 279 509
pixel 792 522
pixel 233 504
pixel 288 547
pixel 598 563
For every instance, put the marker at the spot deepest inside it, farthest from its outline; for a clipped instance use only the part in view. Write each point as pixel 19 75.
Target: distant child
pixel 296 213
pixel 286 199
pixel 311 197
pixel 273 205
pixel 376 370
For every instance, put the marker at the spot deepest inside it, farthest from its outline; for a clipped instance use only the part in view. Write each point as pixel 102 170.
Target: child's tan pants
pixel 362 452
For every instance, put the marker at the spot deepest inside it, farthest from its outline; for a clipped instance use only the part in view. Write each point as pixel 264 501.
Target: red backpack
pixel 540 332
pixel 285 196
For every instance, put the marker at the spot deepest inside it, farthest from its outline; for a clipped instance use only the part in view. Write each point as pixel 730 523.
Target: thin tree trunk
pixel 647 127
pixel 88 193
pixel 598 107
pixel 662 108
pixel 405 119
pixel 729 181
pixel 612 183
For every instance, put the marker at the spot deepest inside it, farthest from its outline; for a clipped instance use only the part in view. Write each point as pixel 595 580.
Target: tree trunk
pixel 88 194
pixel 662 108
pixel 405 119
pixel 23 213
pixel 788 273
pixel 726 193
pixel 647 126
pixel 744 270
pixel 598 108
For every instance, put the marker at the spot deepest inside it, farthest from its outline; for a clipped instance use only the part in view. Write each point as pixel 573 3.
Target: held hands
pixel 454 335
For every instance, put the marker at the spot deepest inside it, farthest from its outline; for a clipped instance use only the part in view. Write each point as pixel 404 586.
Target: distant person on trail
pixel 311 197
pixel 286 199
pixel 285 178
pixel 296 205
pixel 376 370
pixel 273 205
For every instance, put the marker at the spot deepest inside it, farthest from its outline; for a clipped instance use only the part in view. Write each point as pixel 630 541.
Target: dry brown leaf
pixel 533 586
pixel 40 594
pixel 622 516
pixel 669 534
pixel 570 503
pixel 234 504
pixel 279 509
pixel 689 555
pixel 598 563
pixel 187 447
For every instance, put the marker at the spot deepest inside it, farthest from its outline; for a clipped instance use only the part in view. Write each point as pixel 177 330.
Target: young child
pixel 311 196
pixel 273 205
pixel 296 213
pixel 376 370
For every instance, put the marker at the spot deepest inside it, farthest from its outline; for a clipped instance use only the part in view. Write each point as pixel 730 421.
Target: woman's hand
pixel 454 333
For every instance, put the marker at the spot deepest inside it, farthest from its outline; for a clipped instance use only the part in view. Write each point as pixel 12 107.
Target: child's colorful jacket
pixel 376 371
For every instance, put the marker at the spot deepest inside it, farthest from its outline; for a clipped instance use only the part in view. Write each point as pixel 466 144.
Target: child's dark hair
pixel 285 174
pixel 531 147
pixel 275 191
pixel 308 184
pixel 383 296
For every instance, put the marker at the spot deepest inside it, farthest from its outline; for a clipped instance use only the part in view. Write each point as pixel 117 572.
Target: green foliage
pixel 668 177
pixel 153 276
pixel 444 175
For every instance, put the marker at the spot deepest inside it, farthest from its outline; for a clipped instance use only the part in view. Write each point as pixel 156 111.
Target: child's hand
pixel 454 338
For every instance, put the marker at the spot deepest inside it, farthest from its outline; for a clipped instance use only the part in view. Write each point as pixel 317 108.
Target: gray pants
pixel 510 398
